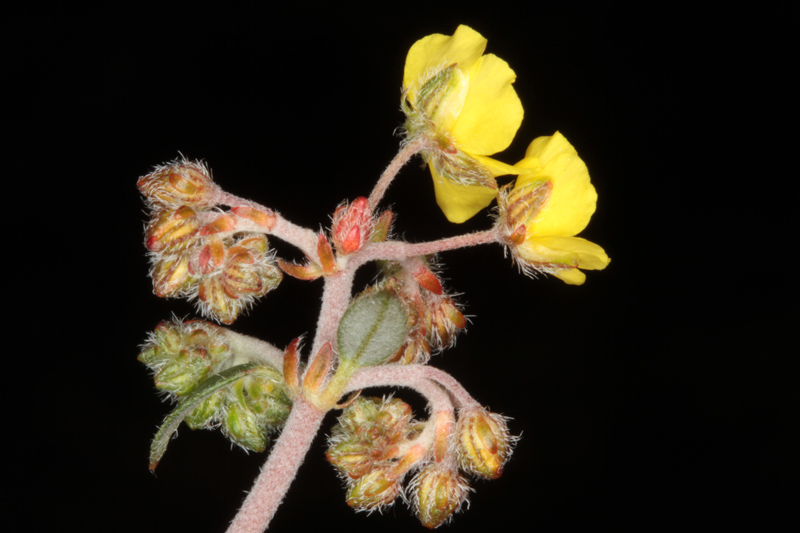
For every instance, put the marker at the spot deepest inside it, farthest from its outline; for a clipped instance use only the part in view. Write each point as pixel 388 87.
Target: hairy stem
pixel 407 152
pixel 398 250
pixel 280 469
pixel 303 238
pixel 335 299
pixel 254 349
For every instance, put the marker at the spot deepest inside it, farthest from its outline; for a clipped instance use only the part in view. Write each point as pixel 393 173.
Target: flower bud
pixel 438 492
pixel 181 183
pixel 265 395
pixel 183 374
pixel 352 226
pixel 377 489
pixel 172 275
pixel 369 432
pixel 207 412
pixel 484 444
pixel 247 272
pixel 172 230
pixel 182 355
pixel 442 320
pixel 245 428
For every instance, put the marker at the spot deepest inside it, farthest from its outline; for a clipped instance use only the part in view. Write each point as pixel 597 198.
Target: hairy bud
pixel 177 184
pixel 182 355
pixel 377 489
pixel 352 226
pixel 437 493
pixel 172 230
pixel 484 444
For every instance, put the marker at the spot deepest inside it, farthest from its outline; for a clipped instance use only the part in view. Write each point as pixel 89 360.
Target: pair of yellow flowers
pixel 462 101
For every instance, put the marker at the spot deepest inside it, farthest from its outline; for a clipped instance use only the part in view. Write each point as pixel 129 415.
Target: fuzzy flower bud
pixel 245 272
pixel 172 230
pixel 172 275
pixel 352 226
pixel 368 434
pixel 244 428
pixel 437 493
pixel 379 488
pixel 484 444
pixel 177 184
pixel 182 355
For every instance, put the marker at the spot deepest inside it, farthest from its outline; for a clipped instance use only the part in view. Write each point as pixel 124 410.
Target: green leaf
pixel 372 329
pixel 189 402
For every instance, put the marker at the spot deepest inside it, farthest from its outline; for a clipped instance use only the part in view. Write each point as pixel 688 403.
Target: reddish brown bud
pixel 172 230
pixel 186 183
pixel 171 275
pixel 352 226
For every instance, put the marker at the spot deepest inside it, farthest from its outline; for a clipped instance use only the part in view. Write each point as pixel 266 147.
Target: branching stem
pixel 280 469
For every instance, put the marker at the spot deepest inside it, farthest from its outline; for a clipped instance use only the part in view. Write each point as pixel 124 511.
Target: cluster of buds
pixel 434 317
pixel 372 447
pixel 196 251
pixel 377 442
pixel 182 355
pixel 248 411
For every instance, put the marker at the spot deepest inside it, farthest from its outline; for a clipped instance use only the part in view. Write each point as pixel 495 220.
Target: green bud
pixel 183 374
pixel 245 428
pixel 207 413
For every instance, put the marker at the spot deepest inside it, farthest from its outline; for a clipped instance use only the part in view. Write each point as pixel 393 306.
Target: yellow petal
pixel 492 111
pixel 497 168
pixel 573 198
pixel 570 277
pixel 436 51
pixel 564 252
pixel 460 202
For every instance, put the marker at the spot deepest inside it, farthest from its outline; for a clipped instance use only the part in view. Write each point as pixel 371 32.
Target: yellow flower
pixel 552 200
pixel 464 104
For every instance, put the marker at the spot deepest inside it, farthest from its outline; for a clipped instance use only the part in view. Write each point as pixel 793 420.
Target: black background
pixel 659 394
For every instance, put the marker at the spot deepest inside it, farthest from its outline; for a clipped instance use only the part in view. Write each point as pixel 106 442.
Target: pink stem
pixel 407 152
pixel 280 469
pixel 398 251
pixel 424 379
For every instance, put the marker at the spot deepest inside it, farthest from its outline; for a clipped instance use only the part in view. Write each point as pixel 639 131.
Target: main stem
pixel 280 470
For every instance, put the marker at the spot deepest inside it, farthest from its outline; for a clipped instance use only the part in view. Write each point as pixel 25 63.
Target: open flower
pixel 463 104
pixel 551 201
